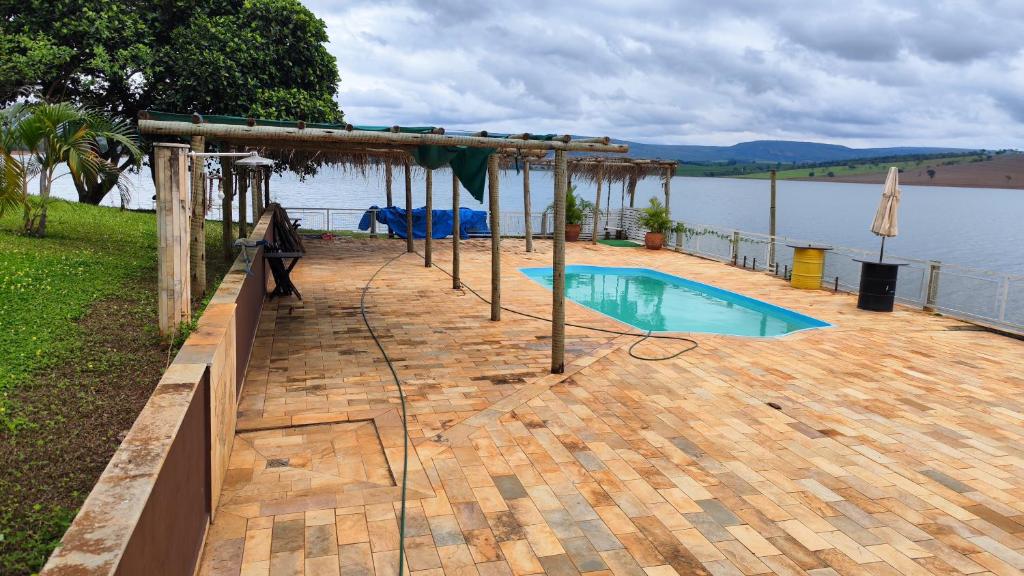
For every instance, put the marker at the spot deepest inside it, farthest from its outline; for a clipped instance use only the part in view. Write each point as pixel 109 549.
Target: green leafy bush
pixel 655 217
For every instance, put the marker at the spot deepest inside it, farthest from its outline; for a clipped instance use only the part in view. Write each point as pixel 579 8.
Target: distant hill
pixel 784 151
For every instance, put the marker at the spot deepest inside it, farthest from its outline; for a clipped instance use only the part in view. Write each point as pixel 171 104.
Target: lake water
pixel 977 227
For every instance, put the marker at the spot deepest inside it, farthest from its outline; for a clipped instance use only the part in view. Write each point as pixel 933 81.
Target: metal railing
pixel 984 296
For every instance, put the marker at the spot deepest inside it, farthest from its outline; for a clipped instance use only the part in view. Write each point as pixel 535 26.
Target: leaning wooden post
pixel 388 179
pixel 597 204
pixel 428 242
pixel 771 226
pixel 408 209
pixel 528 224
pixel 170 162
pixel 243 218
pixel 668 190
pixel 456 232
pixel 197 233
pixel 492 185
pixel 558 267
pixel 227 187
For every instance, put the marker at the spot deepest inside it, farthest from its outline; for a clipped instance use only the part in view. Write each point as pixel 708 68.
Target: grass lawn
pixel 79 356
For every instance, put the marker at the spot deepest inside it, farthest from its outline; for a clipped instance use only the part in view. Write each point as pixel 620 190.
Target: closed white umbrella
pixel 885 223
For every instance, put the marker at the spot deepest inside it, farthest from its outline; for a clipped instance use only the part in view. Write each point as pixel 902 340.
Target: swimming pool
pixel 652 300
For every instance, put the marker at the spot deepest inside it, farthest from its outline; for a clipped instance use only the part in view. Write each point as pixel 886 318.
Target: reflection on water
pixel 651 303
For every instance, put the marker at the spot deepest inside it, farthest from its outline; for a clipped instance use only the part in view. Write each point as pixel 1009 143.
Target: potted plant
pixel 576 209
pixel 655 219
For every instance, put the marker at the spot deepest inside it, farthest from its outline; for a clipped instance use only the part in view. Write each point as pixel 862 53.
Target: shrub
pixel 655 217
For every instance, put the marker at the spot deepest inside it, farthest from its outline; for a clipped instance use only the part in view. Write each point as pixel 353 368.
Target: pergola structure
pixel 602 170
pixel 383 147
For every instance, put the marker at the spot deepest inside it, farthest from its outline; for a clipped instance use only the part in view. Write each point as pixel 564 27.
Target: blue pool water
pixel 652 300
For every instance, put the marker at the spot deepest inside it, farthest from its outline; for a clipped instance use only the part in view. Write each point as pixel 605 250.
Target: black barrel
pixel 877 285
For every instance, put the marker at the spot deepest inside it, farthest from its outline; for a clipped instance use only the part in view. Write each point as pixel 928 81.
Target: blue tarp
pixel 470 222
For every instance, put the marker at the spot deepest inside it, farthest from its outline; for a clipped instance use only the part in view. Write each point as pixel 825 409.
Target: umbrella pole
pixel 881 253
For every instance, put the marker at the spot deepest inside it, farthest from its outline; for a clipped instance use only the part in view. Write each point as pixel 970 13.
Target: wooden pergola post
pixel 492 189
pixel 170 166
pixel 408 209
pixel 197 233
pixel 558 267
pixel 257 195
pixel 428 243
pixel 668 190
pixel 266 189
pixel 771 226
pixel 227 186
pixel 526 206
pixel 597 204
pixel 243 218
pixel 388 179
pixel 456 232
pixel 632 187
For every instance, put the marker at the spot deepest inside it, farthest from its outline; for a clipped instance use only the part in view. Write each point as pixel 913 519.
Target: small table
pixel 808 265
pixel 877 285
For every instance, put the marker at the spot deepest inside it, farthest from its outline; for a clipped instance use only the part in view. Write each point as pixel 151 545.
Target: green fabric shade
pixel 469 164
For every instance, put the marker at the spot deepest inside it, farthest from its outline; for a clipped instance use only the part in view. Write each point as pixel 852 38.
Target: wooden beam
pixel 197 233
pixel 558 267
pixel 282 135
pixel 528 225
pixel 668 191
pixel 492 188
pixel 227 186
pixel 428 243
pixel 170 164
pixel 456 233
pixel 408 209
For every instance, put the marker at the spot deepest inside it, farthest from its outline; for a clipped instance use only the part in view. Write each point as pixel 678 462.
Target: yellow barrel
pixel 808 265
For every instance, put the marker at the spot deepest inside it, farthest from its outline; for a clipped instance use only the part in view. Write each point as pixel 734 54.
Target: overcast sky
pixel 701 72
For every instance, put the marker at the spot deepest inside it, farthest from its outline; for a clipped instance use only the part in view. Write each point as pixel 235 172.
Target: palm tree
pixel 61 133
pixel 13 174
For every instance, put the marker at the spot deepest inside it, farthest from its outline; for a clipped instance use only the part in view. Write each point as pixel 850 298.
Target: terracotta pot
pixel 572 232
pixel 654 240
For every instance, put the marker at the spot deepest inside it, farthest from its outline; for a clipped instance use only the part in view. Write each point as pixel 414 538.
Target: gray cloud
pixel 860 73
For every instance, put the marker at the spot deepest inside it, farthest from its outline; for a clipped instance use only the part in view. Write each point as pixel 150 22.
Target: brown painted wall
pixel 250 303
pixel 168 536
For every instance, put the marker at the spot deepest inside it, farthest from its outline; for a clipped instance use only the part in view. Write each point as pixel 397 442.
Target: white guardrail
pixel 983 296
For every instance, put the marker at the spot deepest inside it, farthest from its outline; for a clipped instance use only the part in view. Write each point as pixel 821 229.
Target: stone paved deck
pixel 897 450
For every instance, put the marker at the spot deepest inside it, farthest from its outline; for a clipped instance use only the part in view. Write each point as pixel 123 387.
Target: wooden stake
pixel 526 206
pixel 197 235
pixel 408 209
pixel 597 205
pixel 173 210
pixel 227 186
pixel 492 185
pixel 456 232
pixel 558 267
pixel 428 243
pixel 388 178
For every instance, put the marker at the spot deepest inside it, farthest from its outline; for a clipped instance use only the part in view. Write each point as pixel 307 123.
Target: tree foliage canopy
pixel 261 58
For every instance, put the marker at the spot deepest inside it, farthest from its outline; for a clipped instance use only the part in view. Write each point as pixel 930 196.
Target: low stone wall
pixel 150 509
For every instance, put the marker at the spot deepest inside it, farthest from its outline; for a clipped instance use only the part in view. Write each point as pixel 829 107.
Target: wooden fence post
pixel 227 186
pixel 170 162
pixel 932 292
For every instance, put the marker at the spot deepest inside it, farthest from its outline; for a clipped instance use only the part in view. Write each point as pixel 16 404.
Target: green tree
pixel 62 134
pixel 261 58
